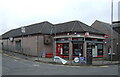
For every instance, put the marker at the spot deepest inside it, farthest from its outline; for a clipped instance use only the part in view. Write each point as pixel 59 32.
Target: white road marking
pixel 93 67
pixel 103 66
pixel 36 65
pixel 73 66
pixel 15 60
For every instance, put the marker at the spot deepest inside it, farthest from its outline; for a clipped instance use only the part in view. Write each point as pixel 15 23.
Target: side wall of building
pixel 42 47
pixel 30 45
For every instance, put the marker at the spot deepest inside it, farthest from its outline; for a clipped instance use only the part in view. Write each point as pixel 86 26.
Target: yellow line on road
pixel 16 57
pixel 6 54
pixel 12 56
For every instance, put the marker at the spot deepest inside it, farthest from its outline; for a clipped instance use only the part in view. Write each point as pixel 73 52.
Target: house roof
pixel 75 26
pixel 43 27
pixel 116 26
pixel 104 27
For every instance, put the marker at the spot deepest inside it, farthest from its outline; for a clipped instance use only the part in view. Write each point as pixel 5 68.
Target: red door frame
pixel 58 47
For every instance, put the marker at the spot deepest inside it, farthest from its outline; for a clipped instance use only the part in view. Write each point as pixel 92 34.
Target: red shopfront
pixel 92 46
pixel 63 47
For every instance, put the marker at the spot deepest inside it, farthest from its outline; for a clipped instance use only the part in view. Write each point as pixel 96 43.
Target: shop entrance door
pixel 59 49
pixel 62 49
pixel 94 51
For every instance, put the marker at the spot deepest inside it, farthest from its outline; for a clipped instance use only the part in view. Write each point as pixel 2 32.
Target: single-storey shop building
pixel 68 40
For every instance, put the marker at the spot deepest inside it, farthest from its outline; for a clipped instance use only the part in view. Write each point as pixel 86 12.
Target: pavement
pixel 51 61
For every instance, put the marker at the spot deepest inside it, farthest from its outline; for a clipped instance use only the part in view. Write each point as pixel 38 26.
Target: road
pixel 13 66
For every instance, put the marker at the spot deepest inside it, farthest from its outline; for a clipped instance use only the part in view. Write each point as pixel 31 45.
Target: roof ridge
pixel 36 23
pixel 73 26
pixel 42 27
pixel 103 22
pixel 24 26
pixel 80 26
pixel 66 22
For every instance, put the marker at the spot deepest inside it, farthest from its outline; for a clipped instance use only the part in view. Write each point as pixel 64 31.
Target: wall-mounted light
pixel 105 42
pixel 117 43
pixel 75 33
pixel 68 33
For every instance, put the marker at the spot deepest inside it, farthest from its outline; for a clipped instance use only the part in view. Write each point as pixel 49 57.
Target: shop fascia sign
pixel 87 34
pixel 106 36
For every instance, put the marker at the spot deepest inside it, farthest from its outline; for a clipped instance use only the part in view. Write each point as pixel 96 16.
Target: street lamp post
pixel 23 31
pixel 111 29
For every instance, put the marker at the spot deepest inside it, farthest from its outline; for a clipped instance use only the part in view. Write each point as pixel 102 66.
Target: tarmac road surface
pixel 17 66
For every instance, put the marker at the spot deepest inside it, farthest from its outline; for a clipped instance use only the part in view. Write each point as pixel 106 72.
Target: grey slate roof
pixel 75 26
pixel 105 27
pixel 102 26
pixel 48 28
pixel 43 27
pixel 116 26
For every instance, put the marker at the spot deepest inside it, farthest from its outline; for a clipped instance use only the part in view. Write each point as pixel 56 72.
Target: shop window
pixel 100 50
pixel 66 49
pixel 77 49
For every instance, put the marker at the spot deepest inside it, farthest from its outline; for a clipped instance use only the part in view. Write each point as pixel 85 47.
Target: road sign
pixel 23 29
pixel 106 36
pixel 82 60
pixel 76 60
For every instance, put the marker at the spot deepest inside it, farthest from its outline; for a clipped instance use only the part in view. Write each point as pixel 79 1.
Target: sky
pixel 18 13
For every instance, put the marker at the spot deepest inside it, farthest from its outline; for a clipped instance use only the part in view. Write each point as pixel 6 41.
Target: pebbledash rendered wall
pixel 31 45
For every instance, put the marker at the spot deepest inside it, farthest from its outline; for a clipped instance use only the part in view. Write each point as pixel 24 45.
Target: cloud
pixel 16 13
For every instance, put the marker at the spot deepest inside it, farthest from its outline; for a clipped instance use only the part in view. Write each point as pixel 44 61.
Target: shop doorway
pixel 62 49
pixel 94 51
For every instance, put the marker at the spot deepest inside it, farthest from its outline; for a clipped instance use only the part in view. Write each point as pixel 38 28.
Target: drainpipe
pixel 37 46
pixel 54 42
pixel 7 46
pixel 70 51
pixel 54 47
